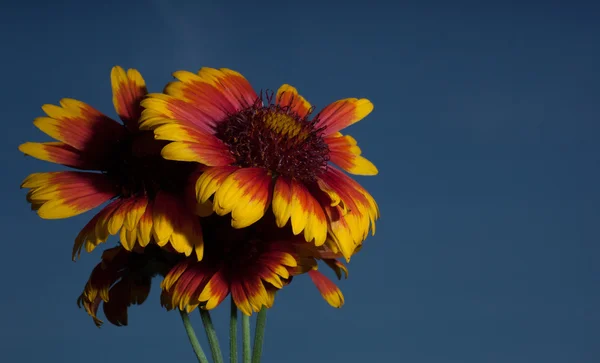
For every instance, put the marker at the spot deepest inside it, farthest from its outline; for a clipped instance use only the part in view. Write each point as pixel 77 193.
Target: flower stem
pixel 211 334
pixel 192 336
pixel 259 335
pixel 246 351
pixel 233 353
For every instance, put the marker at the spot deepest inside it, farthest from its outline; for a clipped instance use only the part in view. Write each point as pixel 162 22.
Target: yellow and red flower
pixel 251 264
pixel 257 155
pixel 122 279
pixel 122 165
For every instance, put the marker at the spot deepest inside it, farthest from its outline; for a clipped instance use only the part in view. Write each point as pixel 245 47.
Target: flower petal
pixel 174 223
pixel 129 88
pixel 96 230
pixel 287 96
pixel 240 298
pixel 65 194
pixel 342 114
pixel 338 267
pixel 122 295
pixel 307 214
pixel 80 126
pixel 183 285
pixel 215 291
pixel 191 144
pixel 246 193
pixel 255 291
pixel 59 153
pixel 351 213
pixel 210 152
pixel 330 292
pixel 211 180
pixel 344 152
pixel 282 200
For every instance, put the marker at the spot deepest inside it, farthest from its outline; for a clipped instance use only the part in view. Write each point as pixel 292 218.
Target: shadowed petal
pixel 129 88
pixel 80 126
pixel 65 194
pixel 59 153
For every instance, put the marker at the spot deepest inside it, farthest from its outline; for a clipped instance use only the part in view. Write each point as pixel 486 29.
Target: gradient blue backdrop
pixel 485 133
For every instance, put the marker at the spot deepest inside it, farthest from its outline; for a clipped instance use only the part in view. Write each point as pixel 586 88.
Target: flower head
pixel 251 264
pixel 123 165
pixel 258 155
pixel 122 279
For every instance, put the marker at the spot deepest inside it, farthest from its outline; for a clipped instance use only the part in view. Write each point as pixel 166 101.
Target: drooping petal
pixel 122 279
pixel 81 126
pixel 174 223
pixel 282 200
pixel 129 88
pixel 210 180
pixel 292 200
pixel 215 291
pixel 350 210
pixel 96 231
pixel 287 96
pixel 344 152
pixel 65 194
pixel 122 295
pixel 330 292
pixel 183 285
pixel 255 292
pixel 245 194
pixel 59 153
pixel 342 114
pixel 338 267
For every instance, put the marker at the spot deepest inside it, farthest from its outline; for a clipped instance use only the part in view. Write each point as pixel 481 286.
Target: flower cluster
pixel 215 188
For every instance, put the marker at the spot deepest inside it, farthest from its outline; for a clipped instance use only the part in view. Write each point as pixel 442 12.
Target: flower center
pixel 138 168
pixel 275 138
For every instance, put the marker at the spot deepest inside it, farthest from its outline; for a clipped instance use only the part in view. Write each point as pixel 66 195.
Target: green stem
pixel 211 334
pixel 259 335
pixel 192 336
pixel 246 351
pixel 233 354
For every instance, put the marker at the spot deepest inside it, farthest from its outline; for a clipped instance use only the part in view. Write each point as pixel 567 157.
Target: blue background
pixel 485 133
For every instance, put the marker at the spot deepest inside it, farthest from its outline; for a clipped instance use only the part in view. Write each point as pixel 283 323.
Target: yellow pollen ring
pixel 285 125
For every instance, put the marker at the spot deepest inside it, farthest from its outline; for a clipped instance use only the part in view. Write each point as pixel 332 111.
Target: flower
pixel 122 165
pixel 251 264
pixel 257 155
pixel 122 279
